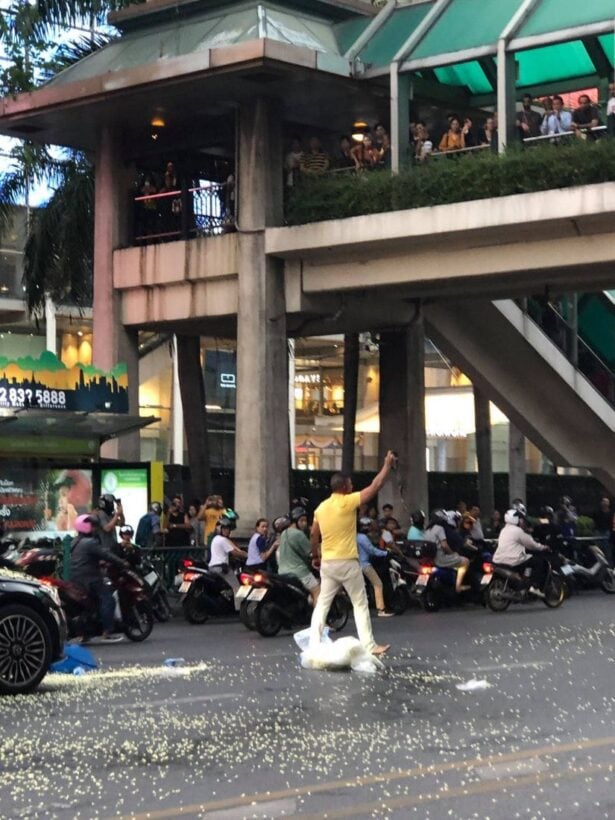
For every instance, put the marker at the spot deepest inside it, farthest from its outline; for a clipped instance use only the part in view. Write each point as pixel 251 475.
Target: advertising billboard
pixel 43 500
pixel 130 485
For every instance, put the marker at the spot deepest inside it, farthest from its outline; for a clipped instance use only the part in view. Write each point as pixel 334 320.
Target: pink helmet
pixel 84 524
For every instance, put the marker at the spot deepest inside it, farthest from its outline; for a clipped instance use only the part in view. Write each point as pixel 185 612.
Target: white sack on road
pixel 344 653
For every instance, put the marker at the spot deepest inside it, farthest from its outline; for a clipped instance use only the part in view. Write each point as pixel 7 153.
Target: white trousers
pixel 333 576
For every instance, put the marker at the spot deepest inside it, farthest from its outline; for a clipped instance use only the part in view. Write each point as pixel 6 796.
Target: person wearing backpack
pixel 148 528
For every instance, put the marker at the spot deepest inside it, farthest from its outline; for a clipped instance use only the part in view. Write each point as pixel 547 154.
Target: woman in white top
pixel 221 548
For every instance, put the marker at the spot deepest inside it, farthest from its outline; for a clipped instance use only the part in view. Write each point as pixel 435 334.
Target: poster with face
pixel 43 500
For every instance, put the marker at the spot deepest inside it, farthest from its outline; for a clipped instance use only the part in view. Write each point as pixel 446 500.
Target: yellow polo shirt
pixel 337 519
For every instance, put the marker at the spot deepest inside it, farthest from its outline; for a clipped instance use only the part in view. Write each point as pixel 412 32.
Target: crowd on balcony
pixel 369 149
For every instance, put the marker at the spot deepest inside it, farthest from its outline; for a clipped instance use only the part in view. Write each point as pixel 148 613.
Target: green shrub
pixel 585 526
pixel 454 179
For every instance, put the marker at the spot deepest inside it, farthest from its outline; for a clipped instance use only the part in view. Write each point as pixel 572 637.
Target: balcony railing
pixel 206 210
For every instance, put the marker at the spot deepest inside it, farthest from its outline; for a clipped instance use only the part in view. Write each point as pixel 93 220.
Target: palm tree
pixel 59 249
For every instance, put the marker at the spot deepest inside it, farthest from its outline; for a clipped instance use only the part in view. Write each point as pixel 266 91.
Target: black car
pixel 32 631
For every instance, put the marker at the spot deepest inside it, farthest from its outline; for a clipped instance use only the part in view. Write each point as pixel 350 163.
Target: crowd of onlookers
pixel 370 149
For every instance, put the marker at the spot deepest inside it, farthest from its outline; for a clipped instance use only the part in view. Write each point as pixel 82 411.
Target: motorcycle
pixel 436 586
pixel 504 586
pixel 205 594
pixel 587 568
pixel 136 619
pixel 397 594
pixel 158 594
pixel 281 601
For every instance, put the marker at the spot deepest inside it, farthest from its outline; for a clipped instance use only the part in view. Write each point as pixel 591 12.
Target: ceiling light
pixel 157 122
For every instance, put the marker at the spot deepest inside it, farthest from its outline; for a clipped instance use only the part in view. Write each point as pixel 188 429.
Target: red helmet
pixel 85 524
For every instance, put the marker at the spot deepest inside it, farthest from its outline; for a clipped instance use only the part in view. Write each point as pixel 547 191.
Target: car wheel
pixel 25 649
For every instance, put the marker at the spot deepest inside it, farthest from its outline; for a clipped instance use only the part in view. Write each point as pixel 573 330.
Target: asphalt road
pixel 242 731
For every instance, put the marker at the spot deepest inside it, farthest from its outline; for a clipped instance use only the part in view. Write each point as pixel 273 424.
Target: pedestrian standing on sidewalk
pixel 334 542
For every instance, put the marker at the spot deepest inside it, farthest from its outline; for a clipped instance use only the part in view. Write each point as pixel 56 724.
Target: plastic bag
pixel 343 653
pixel 75 657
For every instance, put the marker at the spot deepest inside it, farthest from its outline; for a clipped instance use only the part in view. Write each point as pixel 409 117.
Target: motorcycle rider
pixel 440 532
pixel 110 514
pixel 221 548
pixel 567 517
pixel 87 551
pixel 416 531
pixel 511 551
pixel 295 553
pixel 367 550
pixel 126 549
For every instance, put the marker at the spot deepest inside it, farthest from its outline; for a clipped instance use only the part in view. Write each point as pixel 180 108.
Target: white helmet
pixel 453 517
pixel 514 517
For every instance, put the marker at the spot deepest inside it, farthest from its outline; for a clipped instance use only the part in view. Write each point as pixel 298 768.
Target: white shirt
pixel 610 106
pixel 220 548
pixel 557 123
pixel 387 536
pixel 511 546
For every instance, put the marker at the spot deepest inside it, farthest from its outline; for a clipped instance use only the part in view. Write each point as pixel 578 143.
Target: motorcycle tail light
pixel 258 578
pixel 190 576
pixel 426 570
pixel 187 562
pixel 487 568
pixel 245 579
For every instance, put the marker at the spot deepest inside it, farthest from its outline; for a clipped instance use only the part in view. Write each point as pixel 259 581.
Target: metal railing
pixel 599 130
pixel 565 336
pixel 205 210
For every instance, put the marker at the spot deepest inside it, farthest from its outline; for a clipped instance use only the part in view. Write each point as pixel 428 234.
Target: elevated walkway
pixel 527 375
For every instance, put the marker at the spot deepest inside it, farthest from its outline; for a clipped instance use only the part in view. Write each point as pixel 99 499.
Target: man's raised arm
pixel 390 460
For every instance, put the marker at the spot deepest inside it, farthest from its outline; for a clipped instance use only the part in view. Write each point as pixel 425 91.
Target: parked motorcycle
pixel 283 602
pixel 504 586
pixel 588 568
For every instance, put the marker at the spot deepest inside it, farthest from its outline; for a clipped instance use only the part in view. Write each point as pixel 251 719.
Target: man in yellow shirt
pixel 334 540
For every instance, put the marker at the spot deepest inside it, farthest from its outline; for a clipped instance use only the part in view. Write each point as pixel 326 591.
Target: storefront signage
pixel 307 378
pixel 46 383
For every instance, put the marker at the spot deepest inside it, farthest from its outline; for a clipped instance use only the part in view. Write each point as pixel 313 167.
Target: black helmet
pixel 547 512
pixel 281 523
pixel 418 519
pixel 106 503
pixel 296 513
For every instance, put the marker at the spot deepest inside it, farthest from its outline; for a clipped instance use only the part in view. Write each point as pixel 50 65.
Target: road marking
pixel 372 779
pixel 519 767
pixel 387 804
pixel 275 808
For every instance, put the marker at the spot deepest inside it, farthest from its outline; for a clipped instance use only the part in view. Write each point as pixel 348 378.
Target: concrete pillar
pixel 402 418
pixel 262 429
pixel 415 474
pixel 516 463
pixel 177 410
pixel 51 340
pixel 351 383
pixel 482 425
pixel 111 341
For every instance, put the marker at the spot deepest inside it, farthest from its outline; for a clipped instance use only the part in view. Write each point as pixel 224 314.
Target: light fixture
pixel 358 130
pixel 80 333
pixel 157 121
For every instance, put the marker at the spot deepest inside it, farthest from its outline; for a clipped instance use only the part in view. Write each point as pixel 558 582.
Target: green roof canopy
pixel 556 40
pixel 466 24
